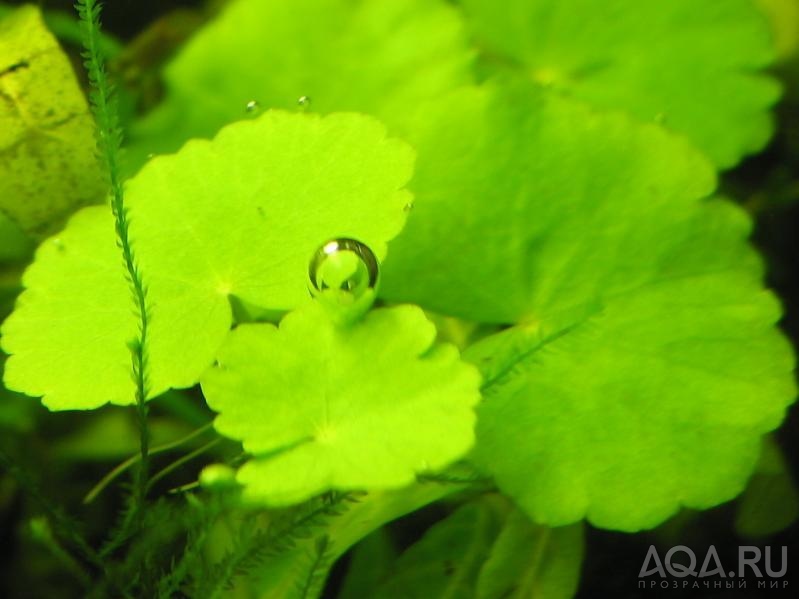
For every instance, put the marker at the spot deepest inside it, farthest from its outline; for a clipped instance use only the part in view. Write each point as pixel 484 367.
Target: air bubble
pixel 344 276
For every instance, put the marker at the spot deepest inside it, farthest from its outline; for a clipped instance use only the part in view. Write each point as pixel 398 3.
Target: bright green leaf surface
pixel 322 407
pixel 655 399
pixel 529 207
pixel 47 164
pixel 693 65
pixel 67 336
pixel 239 216
pixel 375 57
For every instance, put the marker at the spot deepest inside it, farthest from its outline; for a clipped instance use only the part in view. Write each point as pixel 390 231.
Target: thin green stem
pixel 232 462
pixel 184 488
pixel 132 460
pixel 182 460
pixel 109 141
pixel 315 576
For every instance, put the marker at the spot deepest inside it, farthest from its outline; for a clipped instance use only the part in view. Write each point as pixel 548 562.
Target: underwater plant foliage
pixel 365 263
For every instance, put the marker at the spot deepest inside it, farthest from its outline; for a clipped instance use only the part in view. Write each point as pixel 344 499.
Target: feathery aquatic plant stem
pixel 109 141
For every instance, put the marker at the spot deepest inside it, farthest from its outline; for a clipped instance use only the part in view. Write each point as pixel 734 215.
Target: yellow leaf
pixel 47 163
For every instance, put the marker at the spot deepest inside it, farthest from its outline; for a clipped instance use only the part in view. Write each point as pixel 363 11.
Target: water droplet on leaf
pixel 408 207
pixel 253 107
pixel 304 102
pixel 344 275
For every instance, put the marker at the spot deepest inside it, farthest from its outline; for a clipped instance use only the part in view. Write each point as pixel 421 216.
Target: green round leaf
pixel 655 398
pixel 326 407
pixel 693 65
pixel 239 216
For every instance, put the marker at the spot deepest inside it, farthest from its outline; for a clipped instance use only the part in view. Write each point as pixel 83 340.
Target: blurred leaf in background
pixel 694 66
pixel 381 58
pixel 487 549
pixel 47 156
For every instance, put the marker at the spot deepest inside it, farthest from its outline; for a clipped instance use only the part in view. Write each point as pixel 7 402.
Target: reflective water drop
pixel 344 275
pixel 408 207
pixel 304 102
pixel 252 107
